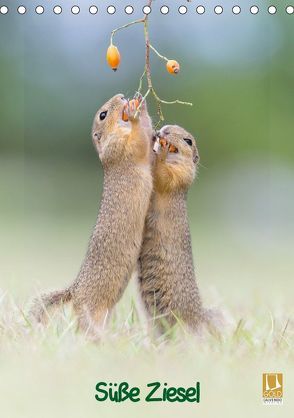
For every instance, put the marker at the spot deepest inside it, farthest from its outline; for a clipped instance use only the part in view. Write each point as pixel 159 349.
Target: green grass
pixel 54 369
pixel 242 267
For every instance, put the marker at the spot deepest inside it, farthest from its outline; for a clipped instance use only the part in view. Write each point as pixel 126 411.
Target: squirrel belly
pixel 116 240
pixel 113 249
pixel 167 278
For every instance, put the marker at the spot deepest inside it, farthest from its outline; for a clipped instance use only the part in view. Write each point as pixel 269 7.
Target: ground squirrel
pixel 124 150
pixel 167 280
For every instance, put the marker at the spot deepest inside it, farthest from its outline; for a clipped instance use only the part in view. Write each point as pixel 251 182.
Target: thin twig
pixel 172 101
pixel 157 53
pixel 147 51
pixel 141 103
pixel 141 81
pixel 123 27
pixel 147 69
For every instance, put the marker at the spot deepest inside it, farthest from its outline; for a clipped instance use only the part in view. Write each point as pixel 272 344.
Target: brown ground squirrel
pixel 124 150
pixel 167 280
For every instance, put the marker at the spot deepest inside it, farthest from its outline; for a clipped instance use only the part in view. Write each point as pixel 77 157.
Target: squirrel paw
pixel 138 96
pixel 132 111
pixel 141 101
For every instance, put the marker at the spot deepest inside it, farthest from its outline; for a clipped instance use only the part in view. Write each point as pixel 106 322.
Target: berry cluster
pixel 113 59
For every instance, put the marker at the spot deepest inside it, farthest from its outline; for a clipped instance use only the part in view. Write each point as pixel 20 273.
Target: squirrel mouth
pixel 162 143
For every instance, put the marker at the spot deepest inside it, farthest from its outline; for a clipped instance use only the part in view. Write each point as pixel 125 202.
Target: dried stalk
pixel 147 69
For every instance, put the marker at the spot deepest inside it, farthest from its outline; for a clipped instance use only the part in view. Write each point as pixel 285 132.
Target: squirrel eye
pixel 102 115
pixel 189 141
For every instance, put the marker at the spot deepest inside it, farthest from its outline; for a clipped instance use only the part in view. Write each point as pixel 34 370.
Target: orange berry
pixel 113 57
pixel 172 66
pixel 133 102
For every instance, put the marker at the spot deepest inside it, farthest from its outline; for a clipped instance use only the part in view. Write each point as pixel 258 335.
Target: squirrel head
pixel 176 159
pixel 108 130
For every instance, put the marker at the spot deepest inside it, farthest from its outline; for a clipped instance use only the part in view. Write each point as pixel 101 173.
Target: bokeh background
pixel 239 73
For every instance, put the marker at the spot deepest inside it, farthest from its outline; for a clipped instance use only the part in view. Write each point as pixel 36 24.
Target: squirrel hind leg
pixel 92 324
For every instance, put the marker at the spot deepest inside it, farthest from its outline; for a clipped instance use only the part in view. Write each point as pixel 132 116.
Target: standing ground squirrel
pixel 114 247
pixel 167 280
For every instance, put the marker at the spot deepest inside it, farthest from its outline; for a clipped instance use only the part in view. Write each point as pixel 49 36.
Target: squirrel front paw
pixel 132 109
pixel 131 112
pixel 139 98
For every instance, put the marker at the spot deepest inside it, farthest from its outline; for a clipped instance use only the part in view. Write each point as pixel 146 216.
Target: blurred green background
pixel 239 73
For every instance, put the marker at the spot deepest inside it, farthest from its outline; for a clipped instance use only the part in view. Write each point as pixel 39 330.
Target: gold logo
pixel 272 388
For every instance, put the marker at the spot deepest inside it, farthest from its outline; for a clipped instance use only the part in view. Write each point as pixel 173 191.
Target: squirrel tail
pixel 45 301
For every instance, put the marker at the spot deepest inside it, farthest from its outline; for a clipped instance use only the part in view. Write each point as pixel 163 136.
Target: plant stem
pixel 157 53
pixel 123 27
pixel 147 68
pixel 141 103
pixel 141 81
pixel 172 101
pixel 147 51
pixel 147 65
